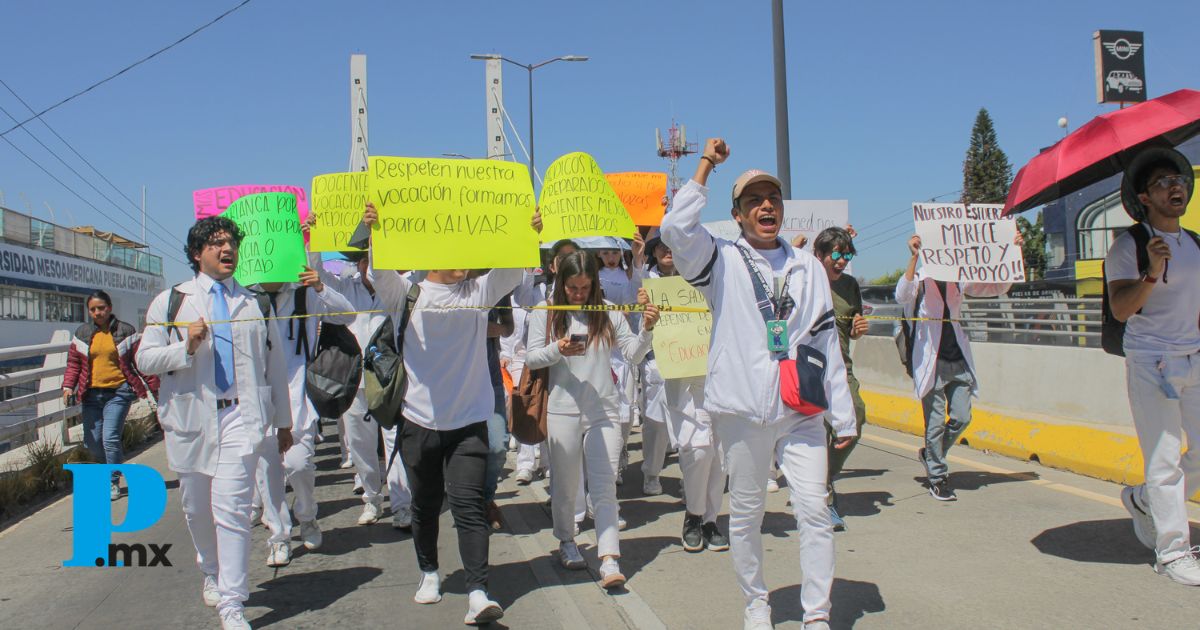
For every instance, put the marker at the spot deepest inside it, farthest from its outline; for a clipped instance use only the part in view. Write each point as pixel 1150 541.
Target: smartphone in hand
pixel 579 339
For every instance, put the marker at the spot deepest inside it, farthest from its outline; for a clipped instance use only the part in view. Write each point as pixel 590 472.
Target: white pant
pixel 527 456
pixel 654 447
pixel 217 511
pixel 294 467
pixel 577 442
pixel 800 448
pixel 364 448
pixel 703 480
pixel 1161 423
pixel 397 480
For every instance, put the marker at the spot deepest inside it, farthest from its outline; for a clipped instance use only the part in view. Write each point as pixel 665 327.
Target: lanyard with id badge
pixel 801 380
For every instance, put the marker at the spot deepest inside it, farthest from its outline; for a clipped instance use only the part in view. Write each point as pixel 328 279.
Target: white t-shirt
pixel 778 259
pixel 1169 323
pixel 445 351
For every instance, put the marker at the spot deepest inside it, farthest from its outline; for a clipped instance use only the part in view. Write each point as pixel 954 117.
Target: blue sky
pixel 882 95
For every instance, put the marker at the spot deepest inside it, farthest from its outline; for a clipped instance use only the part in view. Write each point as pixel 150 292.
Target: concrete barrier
pixel 1063 407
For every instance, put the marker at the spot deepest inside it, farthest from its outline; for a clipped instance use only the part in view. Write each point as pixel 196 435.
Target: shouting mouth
pixel 1177 200
pixel 768 222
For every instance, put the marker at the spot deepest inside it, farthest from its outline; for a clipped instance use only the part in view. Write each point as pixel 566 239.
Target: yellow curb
pixel 1085 450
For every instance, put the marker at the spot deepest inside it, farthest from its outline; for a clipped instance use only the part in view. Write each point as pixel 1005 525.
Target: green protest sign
pixel 273 247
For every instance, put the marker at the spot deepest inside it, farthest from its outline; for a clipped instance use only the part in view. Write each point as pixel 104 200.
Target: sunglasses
pixel 846 256
pixel 1167 181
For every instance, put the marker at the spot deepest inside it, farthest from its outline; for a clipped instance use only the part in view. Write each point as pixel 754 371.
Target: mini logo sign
pixel 1120 66
pixel 1122 48
pixel 92 544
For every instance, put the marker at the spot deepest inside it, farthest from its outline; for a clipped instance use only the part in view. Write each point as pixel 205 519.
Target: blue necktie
pixel 222 338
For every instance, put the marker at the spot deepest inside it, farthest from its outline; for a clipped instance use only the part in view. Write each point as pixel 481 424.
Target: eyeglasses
pixel 846 256
pixel 1167 181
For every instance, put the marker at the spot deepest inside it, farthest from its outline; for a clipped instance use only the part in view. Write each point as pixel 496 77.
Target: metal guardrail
pixel 51 418
pixel 1047 321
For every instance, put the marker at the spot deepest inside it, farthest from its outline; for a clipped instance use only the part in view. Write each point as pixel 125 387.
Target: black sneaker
pixel 942 491
pixel 693 537
pixel 713 538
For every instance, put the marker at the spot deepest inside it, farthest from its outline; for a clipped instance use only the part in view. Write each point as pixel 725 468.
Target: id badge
pixel 777 335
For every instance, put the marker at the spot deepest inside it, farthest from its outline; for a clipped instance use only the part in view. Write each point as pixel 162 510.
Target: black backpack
pixel 1112 331
pixel 331 372
pixel 332 375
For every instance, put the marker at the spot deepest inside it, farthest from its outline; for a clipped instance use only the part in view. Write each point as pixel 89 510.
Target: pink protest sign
pixel 213 201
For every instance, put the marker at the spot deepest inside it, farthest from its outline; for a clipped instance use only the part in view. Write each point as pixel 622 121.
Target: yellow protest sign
pixel 642 195
pixel 338 199
pixel 451 214
pixel 577 201
pixel 680 339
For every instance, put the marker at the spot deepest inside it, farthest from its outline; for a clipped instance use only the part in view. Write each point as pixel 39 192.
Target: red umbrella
pixel 1103 147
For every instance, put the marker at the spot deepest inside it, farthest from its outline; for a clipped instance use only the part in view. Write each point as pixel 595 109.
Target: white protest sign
pixel 961 243
pixel 810 217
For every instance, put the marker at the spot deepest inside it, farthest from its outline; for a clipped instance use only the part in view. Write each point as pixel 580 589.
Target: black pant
pixel 441 464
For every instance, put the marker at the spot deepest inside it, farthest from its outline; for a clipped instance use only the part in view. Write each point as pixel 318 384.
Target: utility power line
pixel 123 70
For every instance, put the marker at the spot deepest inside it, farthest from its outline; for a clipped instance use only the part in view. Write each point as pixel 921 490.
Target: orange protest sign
pixel 641 194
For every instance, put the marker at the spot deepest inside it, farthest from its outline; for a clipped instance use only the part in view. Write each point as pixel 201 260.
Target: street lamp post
pixel 530 68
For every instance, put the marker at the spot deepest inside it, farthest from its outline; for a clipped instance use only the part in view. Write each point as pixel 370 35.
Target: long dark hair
pixel 599 325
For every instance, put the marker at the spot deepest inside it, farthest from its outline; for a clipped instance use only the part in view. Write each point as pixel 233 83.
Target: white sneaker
pixel 1143 523
pixel 402 518
pixel 651 487
pixel 234 619
pixel 114 491
pixel 569 556
pixel 772 486
pixel 310 534
pixel 346 463
pixel 621 524
pixel 481 610
pixel 524 477
pixel 610 574
pixel 370 514
pixel 256 514
pixel 1184 569
pixel 209 592
pixel 280 555
pixel 757 616
pixel 819 624
pixel 430 590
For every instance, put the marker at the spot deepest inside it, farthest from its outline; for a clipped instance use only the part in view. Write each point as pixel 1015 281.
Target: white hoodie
pixel 743 378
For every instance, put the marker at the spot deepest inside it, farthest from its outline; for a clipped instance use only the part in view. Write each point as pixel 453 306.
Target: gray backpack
pixel 383 366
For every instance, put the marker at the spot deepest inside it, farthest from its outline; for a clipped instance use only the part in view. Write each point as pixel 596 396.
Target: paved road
pixel 1024 547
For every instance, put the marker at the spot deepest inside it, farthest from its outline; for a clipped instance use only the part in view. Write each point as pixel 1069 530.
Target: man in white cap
pixel 1153 274
pixel 752 338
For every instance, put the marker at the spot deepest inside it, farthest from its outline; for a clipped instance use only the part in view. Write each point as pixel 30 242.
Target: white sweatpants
pixel 399 494
pixel 578 441
pixel 364 448
pixel 294 467
pixel 799 445
pixel 1161 423
pixel 703 480
pixel 655 440
pixel 217 511
pixel 527 457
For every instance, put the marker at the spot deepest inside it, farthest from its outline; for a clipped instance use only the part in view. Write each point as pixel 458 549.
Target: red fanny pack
pixel 802 381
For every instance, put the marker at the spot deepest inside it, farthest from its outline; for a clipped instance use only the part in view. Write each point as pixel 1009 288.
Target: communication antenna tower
pixel 676 147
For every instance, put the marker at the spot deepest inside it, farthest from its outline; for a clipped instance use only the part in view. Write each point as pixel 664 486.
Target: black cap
pixel 1129 196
